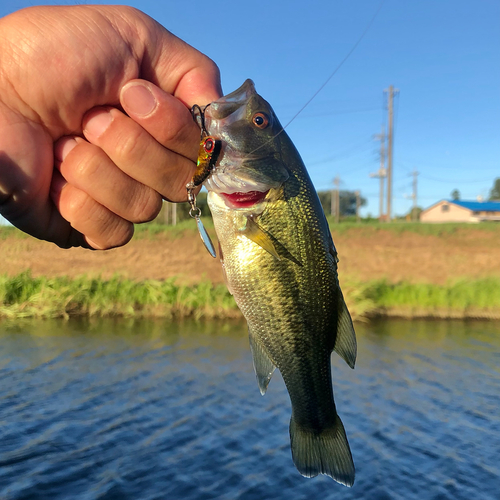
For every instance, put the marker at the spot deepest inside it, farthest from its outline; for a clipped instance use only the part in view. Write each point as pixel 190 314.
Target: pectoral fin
pixel 345 343
pixel 263 366
pixel 266 241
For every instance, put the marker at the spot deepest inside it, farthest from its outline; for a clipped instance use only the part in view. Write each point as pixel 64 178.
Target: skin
pixel 95 127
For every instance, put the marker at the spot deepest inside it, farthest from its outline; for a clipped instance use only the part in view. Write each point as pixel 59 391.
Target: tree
pixel 347 202
pixel 495 190
pixel 455 195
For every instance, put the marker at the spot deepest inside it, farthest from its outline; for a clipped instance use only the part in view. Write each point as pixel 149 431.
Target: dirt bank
pixel 365 254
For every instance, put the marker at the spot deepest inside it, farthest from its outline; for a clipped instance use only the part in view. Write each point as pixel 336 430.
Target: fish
pixel 280 264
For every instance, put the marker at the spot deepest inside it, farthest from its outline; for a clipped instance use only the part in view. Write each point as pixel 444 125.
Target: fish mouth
pixel 244 200
pixel 237 191
pixel 230 180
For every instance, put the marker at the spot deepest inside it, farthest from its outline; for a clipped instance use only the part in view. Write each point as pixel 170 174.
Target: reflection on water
pixel 152 410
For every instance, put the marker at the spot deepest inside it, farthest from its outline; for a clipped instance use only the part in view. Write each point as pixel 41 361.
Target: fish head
pixel 250 164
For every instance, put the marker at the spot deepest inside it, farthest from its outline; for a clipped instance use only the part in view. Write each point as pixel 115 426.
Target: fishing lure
pixel 207 158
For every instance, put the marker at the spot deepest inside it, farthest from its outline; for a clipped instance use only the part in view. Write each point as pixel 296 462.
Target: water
pixel 152 410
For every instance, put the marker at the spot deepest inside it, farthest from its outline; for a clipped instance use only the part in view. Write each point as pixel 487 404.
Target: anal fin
pixel 345 343
pixel 262 364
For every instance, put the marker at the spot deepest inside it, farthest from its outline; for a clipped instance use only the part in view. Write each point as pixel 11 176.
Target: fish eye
pixel 209 145
pixel 260 120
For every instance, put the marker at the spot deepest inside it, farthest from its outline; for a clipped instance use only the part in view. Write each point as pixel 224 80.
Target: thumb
pixel 178 68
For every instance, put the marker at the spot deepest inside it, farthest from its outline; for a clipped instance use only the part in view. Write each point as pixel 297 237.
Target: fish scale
pixel 281 267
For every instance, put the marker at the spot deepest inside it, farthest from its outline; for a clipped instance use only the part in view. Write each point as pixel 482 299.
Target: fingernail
pixel 63 147
pixel 97 123
pixel 138 100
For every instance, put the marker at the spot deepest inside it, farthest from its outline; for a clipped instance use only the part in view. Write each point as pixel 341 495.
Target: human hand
pixel 64 73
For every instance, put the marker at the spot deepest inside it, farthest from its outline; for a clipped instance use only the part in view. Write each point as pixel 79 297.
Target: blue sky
pixel 442 55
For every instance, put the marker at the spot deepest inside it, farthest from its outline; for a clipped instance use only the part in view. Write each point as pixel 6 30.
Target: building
pixel 462 211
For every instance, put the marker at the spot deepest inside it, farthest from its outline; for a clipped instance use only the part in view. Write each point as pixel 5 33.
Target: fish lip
pixel 228 104
pixel 243 199
pixel 227 180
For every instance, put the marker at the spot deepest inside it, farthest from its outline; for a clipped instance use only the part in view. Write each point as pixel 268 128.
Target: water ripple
pixel 152 410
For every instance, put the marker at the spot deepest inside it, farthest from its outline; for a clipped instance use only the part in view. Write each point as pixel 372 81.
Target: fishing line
pixel 334 72
pixel 198 113
pixel 340 112
pixel 341 63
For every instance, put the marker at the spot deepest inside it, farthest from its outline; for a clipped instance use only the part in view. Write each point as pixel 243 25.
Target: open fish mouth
pixel 237 180
pixel 244 200
pixel 236 191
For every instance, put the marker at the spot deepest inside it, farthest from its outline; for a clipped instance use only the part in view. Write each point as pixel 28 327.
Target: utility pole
pixel 391 91
pixel 173 206
pixel 414 196
pixel 336 183
pixel 332 201
pixel 165 212
pixel 382 173
pixel 358 204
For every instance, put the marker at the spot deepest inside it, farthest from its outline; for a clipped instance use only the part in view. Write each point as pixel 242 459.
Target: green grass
pixel 24 296
pixel 11 231
pixel 371 227
pixel 457 299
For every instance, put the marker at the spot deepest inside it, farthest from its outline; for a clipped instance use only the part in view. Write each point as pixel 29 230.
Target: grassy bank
pixel 24 296
pixel 465 299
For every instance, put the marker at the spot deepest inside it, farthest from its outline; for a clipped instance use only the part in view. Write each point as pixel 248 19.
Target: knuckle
pixel 117 233
pixel 128 145
pixel 101 228
pixel 213 70
pixel 82 165
pixel 76 203
pixel 146 206
pixel 175 132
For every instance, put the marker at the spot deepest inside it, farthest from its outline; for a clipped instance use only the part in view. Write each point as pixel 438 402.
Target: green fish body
pixel 280 264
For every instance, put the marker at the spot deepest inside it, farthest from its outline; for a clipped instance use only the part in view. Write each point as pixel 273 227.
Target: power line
pixel 454 180
pixel 351 151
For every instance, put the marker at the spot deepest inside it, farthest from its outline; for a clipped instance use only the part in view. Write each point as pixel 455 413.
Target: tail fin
pixel 325 453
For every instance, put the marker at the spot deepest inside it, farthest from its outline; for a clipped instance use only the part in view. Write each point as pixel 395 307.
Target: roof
pixel 476 206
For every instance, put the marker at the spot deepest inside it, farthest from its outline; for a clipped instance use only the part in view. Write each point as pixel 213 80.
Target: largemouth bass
pixel 280 264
